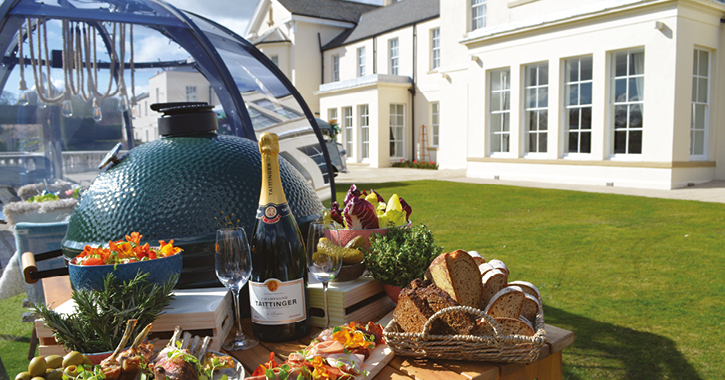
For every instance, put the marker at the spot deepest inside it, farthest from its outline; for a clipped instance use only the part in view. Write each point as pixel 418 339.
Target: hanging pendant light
pixel 67 105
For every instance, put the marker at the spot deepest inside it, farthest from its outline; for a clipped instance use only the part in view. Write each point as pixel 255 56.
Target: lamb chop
pixel 110 365
pixel 132 358
pixel 172 363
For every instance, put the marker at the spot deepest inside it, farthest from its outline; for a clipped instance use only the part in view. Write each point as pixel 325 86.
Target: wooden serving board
pixel 199 311
pixel 381 355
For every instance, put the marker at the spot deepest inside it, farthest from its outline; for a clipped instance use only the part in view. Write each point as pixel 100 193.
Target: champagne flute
pixel 324 257
pixel 233 262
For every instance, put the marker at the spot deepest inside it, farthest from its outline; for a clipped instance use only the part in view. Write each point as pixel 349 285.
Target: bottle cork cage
pixel 198 311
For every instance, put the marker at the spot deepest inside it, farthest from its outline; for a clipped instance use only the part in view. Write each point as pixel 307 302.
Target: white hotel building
pixel 618 92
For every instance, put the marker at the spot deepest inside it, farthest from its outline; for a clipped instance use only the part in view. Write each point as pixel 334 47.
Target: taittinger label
pixel 274 302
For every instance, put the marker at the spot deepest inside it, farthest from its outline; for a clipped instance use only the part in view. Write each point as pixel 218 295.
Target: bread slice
pixel 484 268
pixel 493 281
pixel 477 257
pixel 482 328
pixel 506 303
pixel 528 288
pixel 454 323
pixel 420 300
pixel 510 326
pixel 412 311
pixel 498 264
pixel 457 274
pixel 530 306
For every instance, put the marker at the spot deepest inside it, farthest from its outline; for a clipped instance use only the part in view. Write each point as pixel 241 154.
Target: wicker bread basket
pixel 497 348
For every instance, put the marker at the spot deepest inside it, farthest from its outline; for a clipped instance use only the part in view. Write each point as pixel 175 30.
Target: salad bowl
pixel 90 277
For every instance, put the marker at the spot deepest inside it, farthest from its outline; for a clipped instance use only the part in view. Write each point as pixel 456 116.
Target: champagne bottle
pixel 278 293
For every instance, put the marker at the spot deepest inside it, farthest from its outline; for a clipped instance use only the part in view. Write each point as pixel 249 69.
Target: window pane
pixel 496 122
pixel 635 142
pixel 702 90
pixel 700 110
pixel 635 116
pixel 496 143
pixel 620 142
pixel 620 64
pixel 543 97
pixel 620 117
pixel 586 68
pixel 704 63
pixel 573 142
pixel 506 80
pixel 694 89
pixel 586 93
pixel 586 142
pixel 531 76
pixel 574 118
pixel 620 90
pixel 572 67
pixel 505 142
pixel 543 120
pixel 505 101
pixel 635 89
pixel 572 95
pixel 506 121
pixel 542 142
pixel 531 98
pixel 636 63
pixel 543 74
pixel 531 122
pixel 586 119
pixel 698 142
pixel 495 81
pixel 496 101
pixel 695 64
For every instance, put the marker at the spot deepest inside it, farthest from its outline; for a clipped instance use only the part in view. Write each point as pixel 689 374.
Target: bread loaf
pixel 493 281
pixel 477 258
pixel 423 299
pixel 412 311
pixel 498 264
pixel 485 268
pixel 457 274
pixel 530 306
pixel 510 326
pixel 506 303
pixel 528 288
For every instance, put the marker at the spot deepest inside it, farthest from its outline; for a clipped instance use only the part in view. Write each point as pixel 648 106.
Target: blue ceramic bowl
pixel 90 277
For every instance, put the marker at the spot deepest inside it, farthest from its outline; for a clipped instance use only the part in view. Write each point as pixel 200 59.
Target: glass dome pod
pixel 88 71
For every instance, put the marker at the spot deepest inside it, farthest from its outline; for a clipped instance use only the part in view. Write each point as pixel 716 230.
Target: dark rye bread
pixel 457 274
pixel 413 311
pixel 506 303
pixel 437 299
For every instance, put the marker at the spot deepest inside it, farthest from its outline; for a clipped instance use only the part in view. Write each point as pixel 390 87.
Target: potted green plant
pixel 400 256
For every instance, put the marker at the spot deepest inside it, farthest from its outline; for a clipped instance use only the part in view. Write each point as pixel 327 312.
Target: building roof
pixel 348 11
pixel 271 36
pixel 385 19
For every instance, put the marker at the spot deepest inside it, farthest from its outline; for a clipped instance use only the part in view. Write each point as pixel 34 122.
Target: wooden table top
pixel 548 366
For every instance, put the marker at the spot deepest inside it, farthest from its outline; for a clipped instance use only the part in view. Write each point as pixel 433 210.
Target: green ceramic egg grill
pixel 183 186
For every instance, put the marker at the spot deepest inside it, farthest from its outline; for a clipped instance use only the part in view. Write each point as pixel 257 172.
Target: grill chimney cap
pixel 183 118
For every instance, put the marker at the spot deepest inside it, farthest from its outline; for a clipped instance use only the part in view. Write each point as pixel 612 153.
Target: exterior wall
pixel 282 51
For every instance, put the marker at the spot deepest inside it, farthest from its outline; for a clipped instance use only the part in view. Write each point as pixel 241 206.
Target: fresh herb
pixel 401 255
pixel 45 197
pixel 100 317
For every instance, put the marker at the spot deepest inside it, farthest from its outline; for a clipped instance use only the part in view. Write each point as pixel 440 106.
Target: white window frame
pixel 336 68
pixel 538 93
pixel 571 85
pixel 503 134
pixel 478 14
pixel 699 79
pixel 275 59
pixel 347 127
pixel 435 48
pixel 363 112
pixel 397 122
pixel 361 61
pixel 629 104
pixel 191 94
pixel 435 120
pixel 394 54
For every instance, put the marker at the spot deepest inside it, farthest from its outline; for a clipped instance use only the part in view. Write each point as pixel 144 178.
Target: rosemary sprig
pixel 100 317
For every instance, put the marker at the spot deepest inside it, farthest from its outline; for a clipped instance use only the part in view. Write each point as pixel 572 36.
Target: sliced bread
pixel 484 268
pixel 498 264
pixel 482 328
pixel 412 311
pixel 510 326
pixel 457 274
pixel 454 323
pixel 493 281
pixel 506 303
pixel 420 300
pixel 530 306
pixel 477 257
pixel 528 288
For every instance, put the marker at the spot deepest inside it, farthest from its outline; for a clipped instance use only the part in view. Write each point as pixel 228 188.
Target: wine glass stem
pixel 327 309
pixel 238 313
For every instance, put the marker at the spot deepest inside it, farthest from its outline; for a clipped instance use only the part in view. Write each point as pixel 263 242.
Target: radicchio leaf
pixel 336 214
pixel 360 215
pixel 354 192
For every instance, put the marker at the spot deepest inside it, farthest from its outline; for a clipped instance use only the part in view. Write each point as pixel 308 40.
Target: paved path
pixel 710 192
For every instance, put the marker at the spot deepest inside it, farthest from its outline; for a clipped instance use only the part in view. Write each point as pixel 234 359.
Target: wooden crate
pixel 199 311
pixel 363 299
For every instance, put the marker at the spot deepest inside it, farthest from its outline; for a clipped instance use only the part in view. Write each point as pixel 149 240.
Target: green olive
pixel 55 374
pixel 38 378
pixel 23 376
pixel 72 358
pixel 87 361
pixel 54 361
pixel 71 371
pixel 37 366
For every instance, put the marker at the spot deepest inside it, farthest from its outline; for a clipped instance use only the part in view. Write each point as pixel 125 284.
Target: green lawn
pixel 640 281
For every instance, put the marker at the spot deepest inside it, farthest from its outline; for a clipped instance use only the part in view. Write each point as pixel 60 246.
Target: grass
pixel 639 280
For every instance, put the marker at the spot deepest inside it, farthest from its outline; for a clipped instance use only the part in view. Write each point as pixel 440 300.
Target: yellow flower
pixel 321 370
pixel 350 338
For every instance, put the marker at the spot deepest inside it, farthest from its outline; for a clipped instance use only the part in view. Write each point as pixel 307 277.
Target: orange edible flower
pixel 322 370
pixel 128 251
pixel 134 238
pixel 350 339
